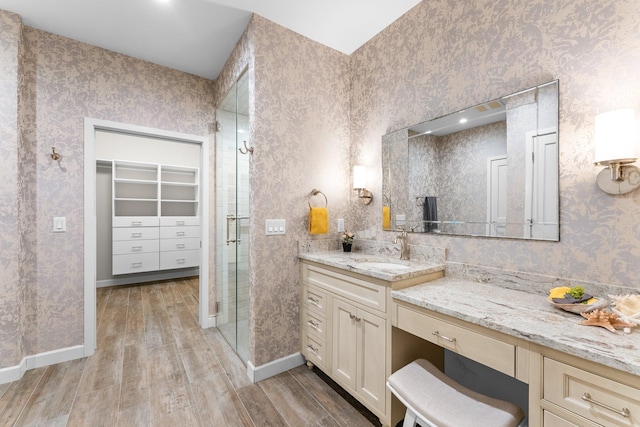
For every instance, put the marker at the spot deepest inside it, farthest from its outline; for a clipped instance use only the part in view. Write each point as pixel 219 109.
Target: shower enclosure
pixel 232 217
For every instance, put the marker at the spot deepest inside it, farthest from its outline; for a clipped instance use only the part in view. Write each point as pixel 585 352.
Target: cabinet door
pixel 344 343
pixel 371 347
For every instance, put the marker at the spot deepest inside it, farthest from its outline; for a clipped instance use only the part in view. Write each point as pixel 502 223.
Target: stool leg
pixel 409 419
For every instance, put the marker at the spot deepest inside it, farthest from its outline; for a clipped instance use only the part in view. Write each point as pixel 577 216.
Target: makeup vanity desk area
pixel 577 375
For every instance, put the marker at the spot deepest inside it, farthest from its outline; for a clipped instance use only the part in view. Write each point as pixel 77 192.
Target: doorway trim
pixel 91 125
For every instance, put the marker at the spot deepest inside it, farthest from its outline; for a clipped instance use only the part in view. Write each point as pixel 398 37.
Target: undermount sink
pixel 384 265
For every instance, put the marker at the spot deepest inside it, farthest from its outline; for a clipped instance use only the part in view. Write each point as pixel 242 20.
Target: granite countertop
pixel 373 265
pixel 527 316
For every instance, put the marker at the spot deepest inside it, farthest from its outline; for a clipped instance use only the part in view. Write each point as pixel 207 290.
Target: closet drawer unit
pixel 357 290
pixel 136 233
pixel 179 244
pixel 314 350
pixel 179 221
pixel 491 352
pixel 594 397
pixel 135 246
pixel 179 259
pixel 315 299
pixel 314 324
pixel 179 232
pixel 138 263
pixel 135 221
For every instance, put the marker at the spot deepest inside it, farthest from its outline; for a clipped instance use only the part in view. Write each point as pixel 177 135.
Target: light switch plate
pixel 400 219
pixel 340 225
pixel 275 227
pixel 59 224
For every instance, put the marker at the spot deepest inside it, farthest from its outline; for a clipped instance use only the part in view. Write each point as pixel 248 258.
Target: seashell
pixel 605 319
pixel 627 305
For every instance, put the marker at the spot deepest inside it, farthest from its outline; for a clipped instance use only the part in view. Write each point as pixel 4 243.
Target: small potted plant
pixel 347 240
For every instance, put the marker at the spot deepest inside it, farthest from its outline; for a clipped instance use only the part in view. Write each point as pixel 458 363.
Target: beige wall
pixel 443 56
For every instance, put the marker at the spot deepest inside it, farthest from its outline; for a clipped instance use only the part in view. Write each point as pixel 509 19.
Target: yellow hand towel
pixel 386 217
pixel 318 221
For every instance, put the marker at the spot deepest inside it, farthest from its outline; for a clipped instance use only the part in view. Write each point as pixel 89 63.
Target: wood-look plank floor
pixel 154 366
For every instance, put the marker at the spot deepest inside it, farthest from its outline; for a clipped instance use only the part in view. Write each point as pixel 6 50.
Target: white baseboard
pixel 147 277
pixel 211 322
pixel 14 373
pixel 275 367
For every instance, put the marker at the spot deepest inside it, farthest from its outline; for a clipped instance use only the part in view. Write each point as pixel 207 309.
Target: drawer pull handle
pixel 312 348
pixel 180 246
pixel 312 323
pixel 180 261
pixel 180 233
pixel 436 333
pixel 624 412
pixel 134 235
pixel 136 264
pixel 180 222
pixel 354 317
pixel 136 248
pixel 314 301
pixel 136 223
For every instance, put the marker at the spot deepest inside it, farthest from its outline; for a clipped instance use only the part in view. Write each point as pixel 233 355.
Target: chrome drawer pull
pixel 180 261
pixel 136 264
pixel 136 248
pixel 180 222
pixel 180 233
pixel 315 301
pixel 134 235
pixel 436 333
pixel 180 246
pixel 310 347
pixel 312 323
pixel 134 223
pixel 624 412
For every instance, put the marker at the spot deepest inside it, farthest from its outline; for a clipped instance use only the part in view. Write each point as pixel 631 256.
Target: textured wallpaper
pixel 12 290
pixel 443 56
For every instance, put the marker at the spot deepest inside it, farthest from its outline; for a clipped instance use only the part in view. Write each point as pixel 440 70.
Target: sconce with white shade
pixel 616 148
pixel 360 183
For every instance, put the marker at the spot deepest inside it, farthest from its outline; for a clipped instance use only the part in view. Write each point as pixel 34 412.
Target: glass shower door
pixel 232 217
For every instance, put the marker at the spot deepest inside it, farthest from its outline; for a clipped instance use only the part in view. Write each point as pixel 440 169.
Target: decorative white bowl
pixel 581 308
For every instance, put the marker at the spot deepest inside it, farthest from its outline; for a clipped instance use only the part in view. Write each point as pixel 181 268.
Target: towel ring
pixel 315 192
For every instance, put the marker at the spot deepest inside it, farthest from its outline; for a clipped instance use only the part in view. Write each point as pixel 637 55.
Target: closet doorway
pixel 233 155
pixel 140 186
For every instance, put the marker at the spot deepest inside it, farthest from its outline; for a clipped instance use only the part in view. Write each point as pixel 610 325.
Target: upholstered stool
pixel 435 400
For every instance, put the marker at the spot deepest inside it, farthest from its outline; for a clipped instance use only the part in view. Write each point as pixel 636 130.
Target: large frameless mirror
pixel 489 170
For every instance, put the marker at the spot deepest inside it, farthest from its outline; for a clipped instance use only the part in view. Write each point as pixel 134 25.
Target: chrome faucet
pixel 404 245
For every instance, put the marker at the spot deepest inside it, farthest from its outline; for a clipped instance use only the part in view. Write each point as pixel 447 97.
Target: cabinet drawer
pixel 481 348
pixel 179 259
pixel 135 263
pixel 314 350
pixel 178 221
pixel 314 323
pixel 135 221
pixel 315 298
pixel 552 420
pixel 357 290
pixel 135 233
pixel 135 246
pixel 179 232
pixel 592 396
pixel 179 244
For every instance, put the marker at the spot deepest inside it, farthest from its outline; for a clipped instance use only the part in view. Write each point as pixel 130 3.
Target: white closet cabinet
pixel 156 223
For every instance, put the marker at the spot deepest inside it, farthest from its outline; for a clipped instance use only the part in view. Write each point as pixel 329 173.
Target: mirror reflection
pixel 489 170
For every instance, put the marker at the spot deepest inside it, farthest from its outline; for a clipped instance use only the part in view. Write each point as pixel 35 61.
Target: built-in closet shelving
pixel 155 218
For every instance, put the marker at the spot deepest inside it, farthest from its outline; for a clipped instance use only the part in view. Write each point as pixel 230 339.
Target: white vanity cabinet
pixel 571 391
pixel 155 220
pixel 346 332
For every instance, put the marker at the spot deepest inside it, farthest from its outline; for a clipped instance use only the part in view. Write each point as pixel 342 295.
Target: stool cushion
pixel 445 403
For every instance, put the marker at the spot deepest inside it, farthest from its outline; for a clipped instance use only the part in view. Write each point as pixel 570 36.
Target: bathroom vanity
pixel 362 319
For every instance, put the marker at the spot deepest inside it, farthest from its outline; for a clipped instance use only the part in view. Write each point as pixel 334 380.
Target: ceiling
pixel 197 36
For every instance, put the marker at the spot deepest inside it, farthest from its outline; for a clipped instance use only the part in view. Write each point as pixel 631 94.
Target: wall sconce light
pixel 615 141
pixel 360 182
